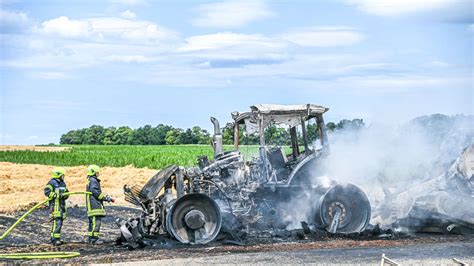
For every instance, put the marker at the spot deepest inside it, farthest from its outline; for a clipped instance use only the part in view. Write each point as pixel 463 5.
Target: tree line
pixel 169 135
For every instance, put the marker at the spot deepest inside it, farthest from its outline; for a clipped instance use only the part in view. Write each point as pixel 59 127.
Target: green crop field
pixel 154 157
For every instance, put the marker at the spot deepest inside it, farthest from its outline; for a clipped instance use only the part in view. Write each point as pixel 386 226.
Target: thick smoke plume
pixel 386 161
pixel 422 149
pixel 398 158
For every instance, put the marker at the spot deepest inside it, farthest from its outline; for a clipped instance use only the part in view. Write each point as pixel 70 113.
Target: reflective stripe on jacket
pixel 57 205
pixel 95 206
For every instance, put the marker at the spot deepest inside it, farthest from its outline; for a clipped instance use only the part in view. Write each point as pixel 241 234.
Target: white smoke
pixel 386 161
pixel 397 158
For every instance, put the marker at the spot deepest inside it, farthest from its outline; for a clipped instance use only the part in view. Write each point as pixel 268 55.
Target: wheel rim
pixel 351 203
pixel 195 219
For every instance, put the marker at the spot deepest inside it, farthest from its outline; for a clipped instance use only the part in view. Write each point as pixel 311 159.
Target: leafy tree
pixel 145 135
pixel 331 126
pixel 165 134
pixel 173 136
pixel 72 137
pixel 94 135
pixel 312 132
pixel 250 139
pixel 109 135
pixel 201 136
pixel 277 135
pixel 244 139
pixel 161 131
pixel 187 137
pixel 228 135
pixel 354 124
pixel 122 136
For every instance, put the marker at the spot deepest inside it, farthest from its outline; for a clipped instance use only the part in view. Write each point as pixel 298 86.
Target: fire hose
pixel 39 255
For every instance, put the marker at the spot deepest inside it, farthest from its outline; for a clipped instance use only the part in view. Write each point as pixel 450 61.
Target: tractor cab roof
pixel 289 115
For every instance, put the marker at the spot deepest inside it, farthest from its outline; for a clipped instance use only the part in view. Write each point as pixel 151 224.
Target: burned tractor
pixel 230 194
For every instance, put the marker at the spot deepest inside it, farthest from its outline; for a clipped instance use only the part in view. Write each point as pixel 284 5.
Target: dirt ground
pixel 22 184
pixel 33 235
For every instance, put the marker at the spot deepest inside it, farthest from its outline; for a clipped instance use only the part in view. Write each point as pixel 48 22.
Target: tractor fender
pixel 151 189
pixel 304 167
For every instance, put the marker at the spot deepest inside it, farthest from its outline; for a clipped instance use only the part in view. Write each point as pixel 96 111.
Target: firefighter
pixel 95 203
pixel 54 190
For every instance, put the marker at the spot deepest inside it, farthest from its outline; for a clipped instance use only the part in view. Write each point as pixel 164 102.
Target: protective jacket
pixel 54 190
pixel 95 202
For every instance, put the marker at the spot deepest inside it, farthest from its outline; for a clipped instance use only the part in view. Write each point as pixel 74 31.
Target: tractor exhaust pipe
pixel 217 138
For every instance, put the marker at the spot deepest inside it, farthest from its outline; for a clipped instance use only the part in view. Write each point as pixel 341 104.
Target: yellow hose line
pixel 38 255
pixel 21 218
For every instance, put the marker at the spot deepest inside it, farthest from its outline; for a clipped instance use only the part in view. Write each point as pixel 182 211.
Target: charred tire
pixel 195 219
pixel 353 205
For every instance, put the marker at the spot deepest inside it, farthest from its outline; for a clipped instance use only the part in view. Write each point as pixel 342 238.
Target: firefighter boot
pixel 95 241
pixel 56 241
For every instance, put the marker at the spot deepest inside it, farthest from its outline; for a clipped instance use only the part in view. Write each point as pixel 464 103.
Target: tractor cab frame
pixel 279 168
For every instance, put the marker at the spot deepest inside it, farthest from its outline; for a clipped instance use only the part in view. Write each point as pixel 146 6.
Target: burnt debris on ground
pixel 36 230
pixel 306 233
pixel 33 237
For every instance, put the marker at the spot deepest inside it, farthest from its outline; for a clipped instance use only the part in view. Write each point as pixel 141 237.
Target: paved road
pixel 427 254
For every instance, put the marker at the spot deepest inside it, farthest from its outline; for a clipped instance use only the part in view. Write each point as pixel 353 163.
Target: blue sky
pixel 70 64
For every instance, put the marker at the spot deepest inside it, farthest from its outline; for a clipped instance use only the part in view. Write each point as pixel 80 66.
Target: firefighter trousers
pixel 94 226
pixel 56 228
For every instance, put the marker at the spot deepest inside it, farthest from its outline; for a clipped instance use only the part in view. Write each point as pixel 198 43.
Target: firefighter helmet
pixel 58 172
pixel 93 169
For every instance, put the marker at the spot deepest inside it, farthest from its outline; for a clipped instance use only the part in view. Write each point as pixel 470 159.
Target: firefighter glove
pixel 109 199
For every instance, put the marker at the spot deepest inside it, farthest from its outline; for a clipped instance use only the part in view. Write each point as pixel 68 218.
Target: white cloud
pixel 437 64
pixel 324 37
pixel 106 29
pixel 100 41
pixel 397 7
pixel 13 18
pixel 231 14
pixel 128 14
pixel 129 58
pixel 65 27
pixel 130 30
pixel 70 54
pixel 234 46
pixel 340 72
pixel 441 10
pixel 226 39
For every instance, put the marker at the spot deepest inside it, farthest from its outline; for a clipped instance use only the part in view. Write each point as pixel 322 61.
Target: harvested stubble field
pixel 32 148
pixel 22 184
